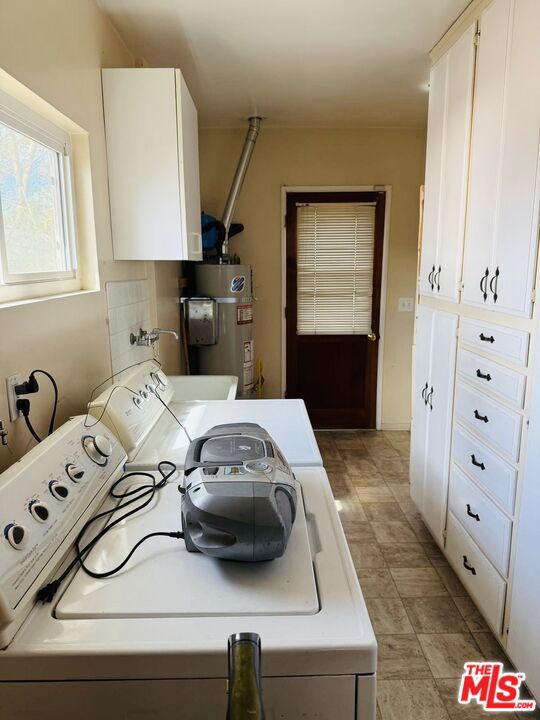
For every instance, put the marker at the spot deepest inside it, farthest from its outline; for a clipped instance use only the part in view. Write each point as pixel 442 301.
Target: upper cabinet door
pixel 449 122
pixel 152 158
pixel 502 221
pixel 432 191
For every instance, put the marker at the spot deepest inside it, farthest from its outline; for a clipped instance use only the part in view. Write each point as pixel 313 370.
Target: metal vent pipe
pixel 240 174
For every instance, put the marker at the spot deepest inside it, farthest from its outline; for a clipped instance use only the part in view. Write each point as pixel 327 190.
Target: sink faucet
pixel 147 338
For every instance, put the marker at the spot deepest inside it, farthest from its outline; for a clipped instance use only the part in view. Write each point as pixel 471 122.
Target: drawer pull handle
pixel 470 513
pixel 481 375
pixel 476 463
pixel 467 566
pixel 483 418
pixel 486 338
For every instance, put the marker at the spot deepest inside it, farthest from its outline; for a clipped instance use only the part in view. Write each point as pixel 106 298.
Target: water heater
pixel 220 322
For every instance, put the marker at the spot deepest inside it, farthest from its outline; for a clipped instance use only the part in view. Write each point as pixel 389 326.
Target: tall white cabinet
pixel 153 164
pixel 502 218
pixel 474 465
pixel 449 124
pixel 432 414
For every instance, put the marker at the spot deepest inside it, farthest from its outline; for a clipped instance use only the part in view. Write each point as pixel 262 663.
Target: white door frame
pixel 329 189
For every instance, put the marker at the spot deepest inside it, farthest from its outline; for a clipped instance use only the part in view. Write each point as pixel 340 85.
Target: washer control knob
pixel 150 387
pixel 58 490
pixel 144 395
pixel 74 472
pixel 160 379
pixel 97 448
pixel 137 401
pixel 16 536
pixel 39 511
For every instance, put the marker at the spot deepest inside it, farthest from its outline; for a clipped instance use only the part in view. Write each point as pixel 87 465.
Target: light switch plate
pixel 405 304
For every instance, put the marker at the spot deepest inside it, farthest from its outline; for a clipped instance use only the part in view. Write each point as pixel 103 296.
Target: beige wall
pixel 56 48
pixel 322 157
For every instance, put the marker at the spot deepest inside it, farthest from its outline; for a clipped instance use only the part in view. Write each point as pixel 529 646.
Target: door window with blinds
pixel 335 255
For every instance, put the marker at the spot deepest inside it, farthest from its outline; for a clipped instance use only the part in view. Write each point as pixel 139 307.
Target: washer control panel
pixel 132 407
pixel 44 498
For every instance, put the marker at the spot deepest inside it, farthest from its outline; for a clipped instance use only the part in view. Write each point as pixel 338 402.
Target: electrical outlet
pixel 11 381
pixel 405 304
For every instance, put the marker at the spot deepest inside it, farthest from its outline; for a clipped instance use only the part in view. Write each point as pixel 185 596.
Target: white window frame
pixel 23 120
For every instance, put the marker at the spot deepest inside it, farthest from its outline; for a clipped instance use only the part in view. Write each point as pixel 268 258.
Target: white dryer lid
pixel 287 422
pixel 163 579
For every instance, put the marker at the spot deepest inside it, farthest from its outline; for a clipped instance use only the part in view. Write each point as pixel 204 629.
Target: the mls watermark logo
pixel 493 688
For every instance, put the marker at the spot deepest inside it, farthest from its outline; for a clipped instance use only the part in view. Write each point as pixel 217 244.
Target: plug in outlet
pixel 11 381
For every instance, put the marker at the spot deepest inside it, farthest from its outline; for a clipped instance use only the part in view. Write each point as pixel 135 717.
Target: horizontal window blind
pixel 335 246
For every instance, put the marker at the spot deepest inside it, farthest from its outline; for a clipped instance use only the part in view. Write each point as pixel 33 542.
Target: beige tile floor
pixel 426 624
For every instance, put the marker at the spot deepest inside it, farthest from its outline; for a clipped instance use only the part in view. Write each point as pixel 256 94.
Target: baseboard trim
pixel 396 426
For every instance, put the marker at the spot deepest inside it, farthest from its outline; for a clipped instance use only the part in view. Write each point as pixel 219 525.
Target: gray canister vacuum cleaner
pixel 240 495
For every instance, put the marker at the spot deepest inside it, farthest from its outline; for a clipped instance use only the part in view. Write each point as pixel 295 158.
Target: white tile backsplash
pixel 128 309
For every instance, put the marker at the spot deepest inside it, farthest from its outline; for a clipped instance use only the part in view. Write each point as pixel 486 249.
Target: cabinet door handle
pixel 467 566
pixel 486 338
pixel 494 284
pixel 483 418
pixel 430 398
pixel 436 279
pixel 483 284
pixel 476 463
pixel 470 513
pixel 424 389
pixel 430 277
pixel 481 375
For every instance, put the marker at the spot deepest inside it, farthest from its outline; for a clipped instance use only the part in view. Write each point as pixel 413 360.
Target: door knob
pixel 371 336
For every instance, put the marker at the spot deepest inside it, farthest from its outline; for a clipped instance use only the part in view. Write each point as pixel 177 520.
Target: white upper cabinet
pixel 502 216
pixel 448 140
pixel 153 163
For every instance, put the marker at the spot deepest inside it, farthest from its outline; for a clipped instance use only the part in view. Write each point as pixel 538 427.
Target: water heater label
pixel 244 314
pixel 238 283
pixel 248 351
pixel 248 376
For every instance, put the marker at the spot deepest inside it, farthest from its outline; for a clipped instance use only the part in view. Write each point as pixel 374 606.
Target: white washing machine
pixel 153 425
pixel 151 640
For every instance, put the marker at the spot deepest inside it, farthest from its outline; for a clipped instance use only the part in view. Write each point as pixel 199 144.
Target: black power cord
pixel 23 404
pixel 144 493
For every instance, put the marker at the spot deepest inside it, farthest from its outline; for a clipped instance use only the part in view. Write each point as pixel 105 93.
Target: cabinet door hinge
pixel 477 37
pixel 533 296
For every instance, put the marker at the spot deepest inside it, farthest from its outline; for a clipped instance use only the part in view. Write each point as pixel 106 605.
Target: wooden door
pixel 335 372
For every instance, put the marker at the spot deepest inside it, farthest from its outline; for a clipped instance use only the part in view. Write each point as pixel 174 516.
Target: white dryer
pixel 151 640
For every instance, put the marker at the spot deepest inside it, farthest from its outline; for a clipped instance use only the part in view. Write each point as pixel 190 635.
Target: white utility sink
pixel 203 387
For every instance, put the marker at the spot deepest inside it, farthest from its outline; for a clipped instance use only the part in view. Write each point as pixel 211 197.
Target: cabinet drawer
pixel 483 582
pixel 488 469
pixel 490 376
pixel 499 425
pixel 507 343
pixel 487 525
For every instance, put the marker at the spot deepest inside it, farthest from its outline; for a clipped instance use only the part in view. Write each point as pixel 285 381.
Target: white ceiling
pixel 335 63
